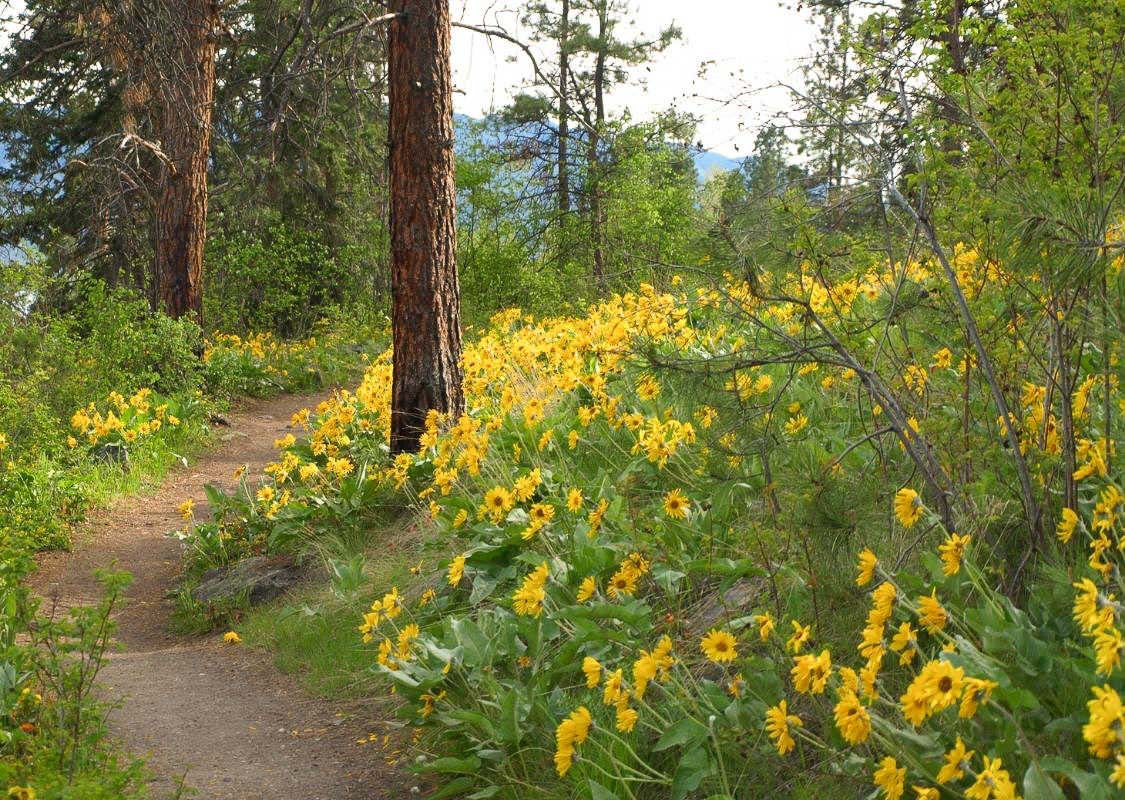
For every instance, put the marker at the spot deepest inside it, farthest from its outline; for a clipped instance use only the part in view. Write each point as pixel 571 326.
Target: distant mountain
pixel 707 163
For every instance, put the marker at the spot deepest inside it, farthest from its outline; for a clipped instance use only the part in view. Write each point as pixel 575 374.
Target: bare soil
pixel 217 717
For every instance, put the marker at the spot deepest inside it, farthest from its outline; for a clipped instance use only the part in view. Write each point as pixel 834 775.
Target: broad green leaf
pixel 693 768
pixel 682 732
pixel 1037 784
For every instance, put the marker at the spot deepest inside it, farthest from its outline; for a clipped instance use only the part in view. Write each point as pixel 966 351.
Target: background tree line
pixel 262 126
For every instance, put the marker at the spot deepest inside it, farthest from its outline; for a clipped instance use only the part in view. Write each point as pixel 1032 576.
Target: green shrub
pixel 280 280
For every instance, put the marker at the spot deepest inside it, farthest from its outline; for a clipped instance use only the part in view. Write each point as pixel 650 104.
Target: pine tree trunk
pixel 426 316
pixel 181 216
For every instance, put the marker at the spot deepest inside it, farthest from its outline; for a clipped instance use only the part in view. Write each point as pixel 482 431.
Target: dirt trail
pixel 218 716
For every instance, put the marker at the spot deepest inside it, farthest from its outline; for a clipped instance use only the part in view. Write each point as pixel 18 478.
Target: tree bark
pixel 181 216
pixel 426 316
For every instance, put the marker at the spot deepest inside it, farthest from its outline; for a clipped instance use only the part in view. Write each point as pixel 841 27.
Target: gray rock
pixel 714 608
pixel 257 579
pixel 111 453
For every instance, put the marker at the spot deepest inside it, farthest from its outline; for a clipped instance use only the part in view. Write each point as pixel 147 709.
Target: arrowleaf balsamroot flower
pixel 593 671
pixel 586 589
pixel 614 691
pixel 908 507
pixel 795 424
pixel 936 687
pixel 802 635
pixel 866 568
pixel 676 504
pixel 852 718
pixel 905 643
pixel 652 665
pixel 765 625
pixel 1107 719
pixel 1091 610
pixel 626 718
pixel 719 646
pixel 1067 525
pixel 1108 645
pixel 528 599
pixel 931 614
pixel 952 551
pixel 810 673
pixel 890 778
pixel 957 762
pixel 778 723
pixel 456 570
pixel 571 731
pixel 497 502
pixel 977 691
pixel 992 782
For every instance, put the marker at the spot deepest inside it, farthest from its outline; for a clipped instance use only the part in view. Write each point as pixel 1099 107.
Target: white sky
pixel 753 44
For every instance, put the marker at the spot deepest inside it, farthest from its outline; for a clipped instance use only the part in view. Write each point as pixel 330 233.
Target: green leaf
pixel 453 788
pixel 599 792
pixel 1037 784
pixel 483 585
pixel 472 640
pixel 632 613
pixel 686 730
pixel 475 718
pixel 511 709
pixel 667 579
pixel 693 768
pixel 451 765
pixel 1090 786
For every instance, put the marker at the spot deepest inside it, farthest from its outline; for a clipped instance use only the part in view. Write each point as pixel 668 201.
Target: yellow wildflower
pixel 866 568
pixel 952 550
pixel 778 723
pixel 890 778
pixel 593 671
pixel 931 615
pixel 719 646
pixel 676 504
pixel 456 570
pixel 765 625
pixel 908 507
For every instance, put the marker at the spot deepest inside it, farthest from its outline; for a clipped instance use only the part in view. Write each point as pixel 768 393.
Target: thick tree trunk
pixel 181 216
pixel 427 314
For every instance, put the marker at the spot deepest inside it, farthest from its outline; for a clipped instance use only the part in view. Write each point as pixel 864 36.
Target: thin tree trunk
pixel 955 49
pixel 1066 409
pixel 1032 512
pixel 426 317
pixel 597 211
pixel 181 216
pixel 564 112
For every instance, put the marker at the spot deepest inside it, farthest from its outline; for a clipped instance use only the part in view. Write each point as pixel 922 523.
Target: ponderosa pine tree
pixel 426 316
pixel 181 213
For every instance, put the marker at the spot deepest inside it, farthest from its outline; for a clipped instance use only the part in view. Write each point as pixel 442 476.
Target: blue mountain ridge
pixel 468 129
